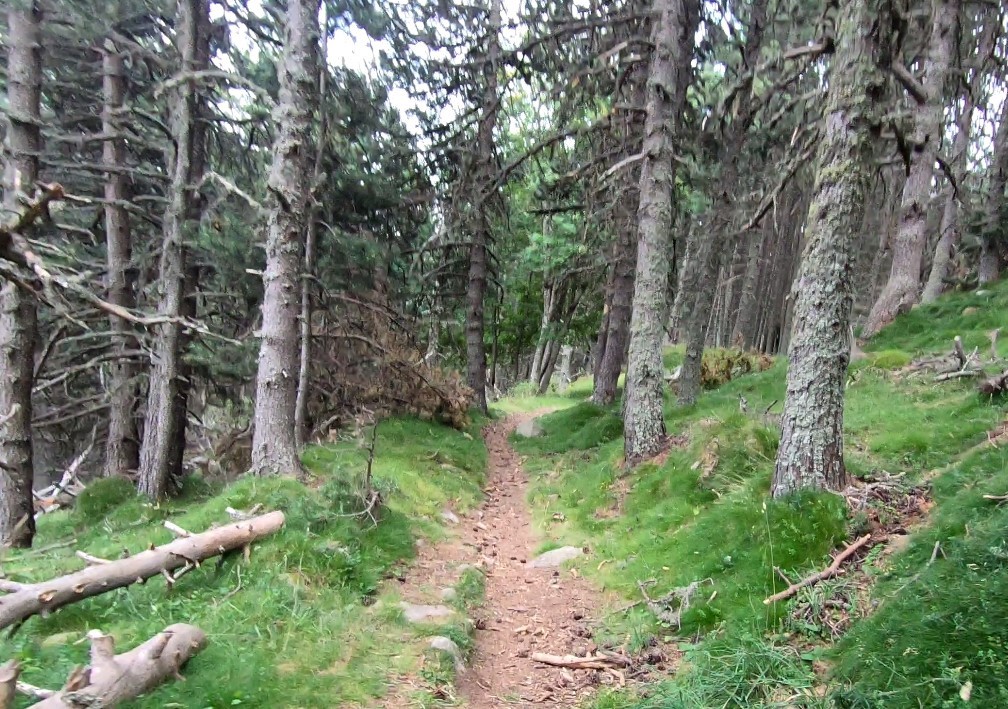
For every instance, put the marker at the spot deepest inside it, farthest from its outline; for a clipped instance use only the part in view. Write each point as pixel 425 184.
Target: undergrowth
pixel 298 624
pixel 700 512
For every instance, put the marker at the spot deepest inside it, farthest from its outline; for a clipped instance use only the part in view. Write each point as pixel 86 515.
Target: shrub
pixel 102 496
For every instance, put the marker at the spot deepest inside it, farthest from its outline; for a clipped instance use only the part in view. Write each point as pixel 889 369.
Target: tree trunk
pixel 742 331
pixel 811 447
pixel 18 316
pixel 301 431
pixel 990 266
pixel 274 444
pixel 710 248
pixel 618 322
pixel 122 450
pixel 481 237
pixel 158 452
pixel 25 600
pixel 950 231
pixel 673 25
pixel 113 679
pixel 901 291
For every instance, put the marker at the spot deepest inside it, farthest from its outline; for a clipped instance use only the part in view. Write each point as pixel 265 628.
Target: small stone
pixel 421 614
pixel 971 310
pixel 529 429
pixel 556 557
pixel 448 594
pixel 448 647
pixel 449 517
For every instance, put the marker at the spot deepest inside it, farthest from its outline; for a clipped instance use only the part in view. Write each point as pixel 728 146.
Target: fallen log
pixel 829 572
pixel 112 679
pixel 8 682
pixel 995 385
pixel 599 661
pixel 34 598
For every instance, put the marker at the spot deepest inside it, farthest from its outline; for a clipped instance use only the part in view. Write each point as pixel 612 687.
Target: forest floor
pixel 315 617
pixel 525 609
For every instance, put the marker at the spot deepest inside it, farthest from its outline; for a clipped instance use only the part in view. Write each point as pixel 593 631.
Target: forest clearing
pixel 504 353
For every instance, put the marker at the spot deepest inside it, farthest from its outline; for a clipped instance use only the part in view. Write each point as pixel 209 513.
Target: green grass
pixel 303 623
pixel 702 512
pixel 940 624
pixel 930 328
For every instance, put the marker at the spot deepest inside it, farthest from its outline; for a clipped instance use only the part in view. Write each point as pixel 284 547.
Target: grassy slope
pixel 688 518
pixel 296 626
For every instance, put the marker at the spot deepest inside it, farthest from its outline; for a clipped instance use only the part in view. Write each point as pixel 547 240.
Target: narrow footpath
pixel 527 608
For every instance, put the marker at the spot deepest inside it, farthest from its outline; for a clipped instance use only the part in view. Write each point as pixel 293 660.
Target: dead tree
pixel 25 600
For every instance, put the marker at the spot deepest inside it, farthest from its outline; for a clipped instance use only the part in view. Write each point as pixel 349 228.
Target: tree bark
pixel 122 450
pixel 810 454
pixel 161 424
pixel 18 316
pixel 673 25
pixel 46 596
pixel 901 290
pixel 274 443
pixel 950 231
pixel 990 265
pixel 475 326
pixel 742 330
pixel 112 679
pixel 618 322
pixel 710 248
pixel 311 237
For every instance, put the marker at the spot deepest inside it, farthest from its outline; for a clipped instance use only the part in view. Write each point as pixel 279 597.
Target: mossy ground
pixel 702 512
pixel 304 622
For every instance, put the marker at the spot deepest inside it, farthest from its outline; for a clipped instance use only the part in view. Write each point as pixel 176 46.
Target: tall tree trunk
pixel 274 444
pixel 673 25
pixel 811 447
pixel 18 317
pixel 122 449
pixel 710 247
pixel 481 237
pixel 742 330
pixel 159 450
pixel 616 336
pixel 901 290
pixel 990 265
pixel 618 322
pixel 950 231
pixel 307 286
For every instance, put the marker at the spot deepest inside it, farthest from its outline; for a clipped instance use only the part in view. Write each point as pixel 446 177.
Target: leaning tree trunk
pixel 158 450
pixel 673 25
pixel 990 266
pixel 274 443
pixel 901 290
pixel 950 234
pixel 18 317
pixel 709 248
pixel 122 451
pixel 811 447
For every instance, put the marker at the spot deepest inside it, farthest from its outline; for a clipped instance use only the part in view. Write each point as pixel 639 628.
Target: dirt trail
pixel 526 609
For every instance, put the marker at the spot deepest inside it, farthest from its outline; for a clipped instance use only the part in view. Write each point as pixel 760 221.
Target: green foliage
pixel 299 623
pixel 945 623
pixel 931 328
pixel 889 359
pixel 102 496
pixel 580 427
pixel 740 670
pixel 720 365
